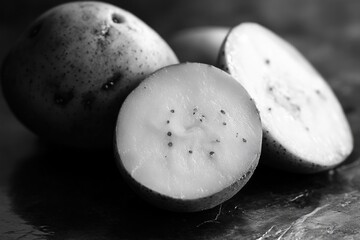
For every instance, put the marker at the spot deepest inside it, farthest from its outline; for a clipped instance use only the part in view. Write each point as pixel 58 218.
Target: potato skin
pixel 69 73
pixel 277 156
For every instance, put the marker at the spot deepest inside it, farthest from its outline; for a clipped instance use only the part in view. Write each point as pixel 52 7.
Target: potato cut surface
pixel 188 131
pixel 301 116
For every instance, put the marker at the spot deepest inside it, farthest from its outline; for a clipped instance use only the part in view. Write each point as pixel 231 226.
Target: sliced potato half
pixel 188 137
pixel 305 128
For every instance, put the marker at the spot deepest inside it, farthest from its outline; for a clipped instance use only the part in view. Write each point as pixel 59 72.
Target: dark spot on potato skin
pixel 87 15
pixel 112 81
pixel 102 45
pixel 65 39
pixel 34 30
pixel 62 98
pixel 88 99
pixel 131 28
pixel 117 18
pixel 63 21
pixel 320 94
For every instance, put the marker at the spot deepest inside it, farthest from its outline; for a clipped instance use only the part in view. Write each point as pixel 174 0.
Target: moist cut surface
pixel 188 132
pixel 302 118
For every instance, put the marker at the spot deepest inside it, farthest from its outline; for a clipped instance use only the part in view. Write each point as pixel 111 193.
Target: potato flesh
pixel 192 103
pixel 296 105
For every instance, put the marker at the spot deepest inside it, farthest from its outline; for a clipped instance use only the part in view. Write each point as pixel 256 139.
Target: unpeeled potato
pixel 68 74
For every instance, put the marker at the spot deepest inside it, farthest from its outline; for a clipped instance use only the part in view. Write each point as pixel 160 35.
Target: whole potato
pixel 69 73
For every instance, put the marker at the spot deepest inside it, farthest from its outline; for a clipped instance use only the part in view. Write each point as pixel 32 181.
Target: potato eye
pixel 35 30
pixel 116 18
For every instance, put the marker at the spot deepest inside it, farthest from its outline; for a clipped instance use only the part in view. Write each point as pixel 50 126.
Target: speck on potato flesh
pixel 305 128
pixel 171 143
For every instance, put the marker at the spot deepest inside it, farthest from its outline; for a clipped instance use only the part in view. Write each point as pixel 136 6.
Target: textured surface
pixel 49 193
pixel 70 71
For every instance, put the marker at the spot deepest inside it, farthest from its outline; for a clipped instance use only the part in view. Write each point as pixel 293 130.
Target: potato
pixel 305 128
pixel 188 137
pixel 199 44
pixel 69 73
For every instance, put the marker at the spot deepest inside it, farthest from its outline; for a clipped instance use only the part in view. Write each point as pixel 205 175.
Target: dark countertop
pixel 51 193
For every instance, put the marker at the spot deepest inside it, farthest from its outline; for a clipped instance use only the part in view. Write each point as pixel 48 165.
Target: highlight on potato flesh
pixel 188 137
pixel 305 128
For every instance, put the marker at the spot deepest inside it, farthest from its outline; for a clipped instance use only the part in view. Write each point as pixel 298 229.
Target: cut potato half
pixel 188 137
pixel 305 128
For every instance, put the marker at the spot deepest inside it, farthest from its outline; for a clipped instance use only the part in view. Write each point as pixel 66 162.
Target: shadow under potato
pixel 82 194
pixel 72 192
